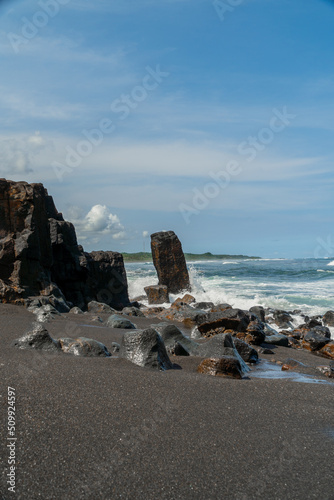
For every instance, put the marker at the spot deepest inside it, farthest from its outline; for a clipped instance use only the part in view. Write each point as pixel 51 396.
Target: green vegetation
pixel 137 257
pixel 147 257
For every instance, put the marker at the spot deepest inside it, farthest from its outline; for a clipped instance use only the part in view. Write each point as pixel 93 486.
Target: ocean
pixel 289 284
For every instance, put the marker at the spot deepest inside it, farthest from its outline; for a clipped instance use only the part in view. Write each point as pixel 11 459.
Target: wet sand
pixel 90 428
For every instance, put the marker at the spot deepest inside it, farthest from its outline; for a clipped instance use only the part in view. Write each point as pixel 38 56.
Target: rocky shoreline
pixel 43 268
pixel 80 341
pixel 185 329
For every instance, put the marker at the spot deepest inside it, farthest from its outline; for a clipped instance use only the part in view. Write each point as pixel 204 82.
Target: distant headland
pixel 190 257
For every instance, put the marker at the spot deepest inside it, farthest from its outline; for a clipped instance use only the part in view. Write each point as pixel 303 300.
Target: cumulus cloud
pixel 17 154
pixel 97 223
pixel 145 234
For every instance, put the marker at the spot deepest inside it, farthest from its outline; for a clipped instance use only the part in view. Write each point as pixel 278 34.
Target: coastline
pixel 139 257
pixel 289 284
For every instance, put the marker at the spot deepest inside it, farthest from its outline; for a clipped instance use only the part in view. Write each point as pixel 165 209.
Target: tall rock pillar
pixel 169 261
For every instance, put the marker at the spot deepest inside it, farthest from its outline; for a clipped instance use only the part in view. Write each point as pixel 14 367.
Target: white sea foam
pixel 331 328
pixel 268 260
pixel 211 282
pixel 331 263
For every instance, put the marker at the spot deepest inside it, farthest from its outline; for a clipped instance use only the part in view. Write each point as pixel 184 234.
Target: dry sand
pixel 90 428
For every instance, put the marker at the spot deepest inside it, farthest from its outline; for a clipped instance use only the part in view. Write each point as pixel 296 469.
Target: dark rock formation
pixel 314 341
pixel 76 310
pixel 174 340
pixel 145 348
pixel 195 333
pixel 277 339
pixel 282 319
pixel 133 311
pixel 40 256
pixel 99 308
pixel 115 347
pixel 265 350
pixel 221 307
pixel 259 312
pixel 328 371
pixel 229 319
pixel 254 333
pixel 153 311
pixel 115 321
pixel 204 305
pixel 328 318
pixel 184 314
pixel 46 313
pixel 106 279
pixel 186 299
pixel 169 261
pixel 227 366
pixel 85 347
pixel 25 244
pixel 37 338
pixel 157 294
pixel 328 350
pixel 322 330
pixel 292 364
pixel 311 323
pixel 248 353
pixel 219 346
pixel 269 330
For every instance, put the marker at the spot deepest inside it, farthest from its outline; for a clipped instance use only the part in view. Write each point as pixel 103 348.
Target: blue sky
pixel 213 119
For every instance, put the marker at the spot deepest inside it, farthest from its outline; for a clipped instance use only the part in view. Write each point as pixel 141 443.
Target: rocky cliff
pixel 40 255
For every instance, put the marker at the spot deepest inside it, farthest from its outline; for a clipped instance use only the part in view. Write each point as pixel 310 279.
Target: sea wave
pixel 212 283
pixel 269 260
pixel 331 263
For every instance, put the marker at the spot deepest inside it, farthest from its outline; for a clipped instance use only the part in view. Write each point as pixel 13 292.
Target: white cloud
pixel 186 159
pixel 23 106
pixel 97 223
pixel 145 234
pixel 17 154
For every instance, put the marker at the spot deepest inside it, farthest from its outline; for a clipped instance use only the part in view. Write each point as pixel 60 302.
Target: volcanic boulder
pixel 157 294
pixel 314 341
pixel 84 347
pixel 328 318
pixel 37 338
pixel 175 341
pixel 229 319
pixel 247 352
pixel 169 261
pixel 227 366
pixel 116 321
pixel 145 348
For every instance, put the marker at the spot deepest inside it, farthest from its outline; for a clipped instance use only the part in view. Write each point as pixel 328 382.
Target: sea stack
pixel 169 261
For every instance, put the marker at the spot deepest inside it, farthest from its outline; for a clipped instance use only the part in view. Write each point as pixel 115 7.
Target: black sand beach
pixel 103 428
